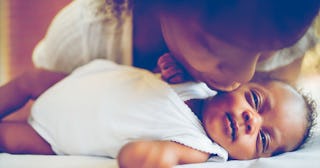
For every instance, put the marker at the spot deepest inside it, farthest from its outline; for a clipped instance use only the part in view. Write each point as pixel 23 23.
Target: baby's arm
pixel 158 154
pixel 29 85
pixel 171 70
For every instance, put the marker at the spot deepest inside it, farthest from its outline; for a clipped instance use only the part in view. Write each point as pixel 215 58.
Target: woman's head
pixel 219 42
pixel 258 120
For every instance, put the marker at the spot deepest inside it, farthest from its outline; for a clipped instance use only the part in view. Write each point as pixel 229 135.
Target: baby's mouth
pixel 232 126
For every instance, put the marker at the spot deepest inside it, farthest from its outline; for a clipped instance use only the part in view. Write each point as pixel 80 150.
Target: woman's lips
pixel 232 126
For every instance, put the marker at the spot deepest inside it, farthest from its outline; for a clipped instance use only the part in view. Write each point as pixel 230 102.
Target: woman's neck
pixel 148 43
pixel 196 106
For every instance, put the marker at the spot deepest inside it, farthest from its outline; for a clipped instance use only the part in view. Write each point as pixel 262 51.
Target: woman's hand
pixel 171 71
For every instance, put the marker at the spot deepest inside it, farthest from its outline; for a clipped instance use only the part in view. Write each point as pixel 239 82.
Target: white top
pixel 288 55
pixel 102 106
pixel 89 29
pixel 86 30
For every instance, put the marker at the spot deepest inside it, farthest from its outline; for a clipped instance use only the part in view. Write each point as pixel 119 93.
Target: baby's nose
pixel 252 122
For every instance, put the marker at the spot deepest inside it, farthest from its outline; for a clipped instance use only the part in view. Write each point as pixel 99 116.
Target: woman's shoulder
pixel 288 55
pixel 105 8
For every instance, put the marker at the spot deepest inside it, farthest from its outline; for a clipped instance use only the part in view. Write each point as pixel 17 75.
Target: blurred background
pixel 22 25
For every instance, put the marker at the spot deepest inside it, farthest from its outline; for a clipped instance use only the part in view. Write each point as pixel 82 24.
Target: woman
pixel 217 42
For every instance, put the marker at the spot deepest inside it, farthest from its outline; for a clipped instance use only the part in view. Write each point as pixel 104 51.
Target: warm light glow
pixel 4 40
pixel 311 61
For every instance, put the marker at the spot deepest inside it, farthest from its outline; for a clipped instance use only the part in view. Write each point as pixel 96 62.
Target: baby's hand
pixel 171 70
pixel 146 154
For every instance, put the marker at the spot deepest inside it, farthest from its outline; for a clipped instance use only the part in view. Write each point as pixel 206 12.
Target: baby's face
pixel 256 120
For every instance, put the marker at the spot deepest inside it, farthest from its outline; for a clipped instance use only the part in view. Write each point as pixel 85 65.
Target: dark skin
pixel 173 72
pixel 149 46
pixel 148 42
pixel 17 94
pixel 27 86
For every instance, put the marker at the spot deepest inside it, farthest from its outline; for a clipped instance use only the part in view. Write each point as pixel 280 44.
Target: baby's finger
pixel 165 61
pixel 170 71
pixel 177 78
pixel 172 74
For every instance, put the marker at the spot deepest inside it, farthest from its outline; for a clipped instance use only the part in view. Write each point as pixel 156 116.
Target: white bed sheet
pixel 307 157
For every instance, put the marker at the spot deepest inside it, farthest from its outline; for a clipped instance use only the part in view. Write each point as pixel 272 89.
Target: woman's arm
pixel 29 85
pixel 158 154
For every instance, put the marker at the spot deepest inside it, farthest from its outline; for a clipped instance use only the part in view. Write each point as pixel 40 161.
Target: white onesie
pixel 102 106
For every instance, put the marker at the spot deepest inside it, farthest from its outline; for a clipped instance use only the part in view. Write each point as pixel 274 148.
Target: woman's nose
pixel 252 121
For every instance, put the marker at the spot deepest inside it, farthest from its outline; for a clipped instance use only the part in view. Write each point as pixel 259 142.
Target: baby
pixel 106 109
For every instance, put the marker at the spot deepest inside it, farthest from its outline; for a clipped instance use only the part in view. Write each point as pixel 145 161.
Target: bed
pixel 308 156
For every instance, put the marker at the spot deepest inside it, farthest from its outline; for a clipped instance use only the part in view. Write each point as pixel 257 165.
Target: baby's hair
pixel 311 116
pixel 310 105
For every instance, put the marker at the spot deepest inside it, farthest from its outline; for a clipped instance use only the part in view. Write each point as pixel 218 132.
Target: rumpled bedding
pixel 308 157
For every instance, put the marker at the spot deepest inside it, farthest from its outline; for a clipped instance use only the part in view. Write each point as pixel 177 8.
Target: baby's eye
pixel 256 99
pixel 264 138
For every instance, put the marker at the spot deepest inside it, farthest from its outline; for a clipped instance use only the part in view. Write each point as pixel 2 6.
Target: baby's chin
pixel 241 157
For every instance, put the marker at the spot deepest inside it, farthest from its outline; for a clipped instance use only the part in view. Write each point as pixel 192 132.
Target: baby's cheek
pixel 242 151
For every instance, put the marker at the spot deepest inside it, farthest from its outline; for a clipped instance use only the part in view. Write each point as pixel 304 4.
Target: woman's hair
pixel 252 23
